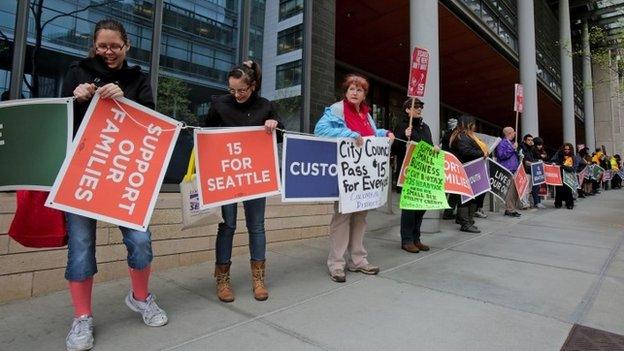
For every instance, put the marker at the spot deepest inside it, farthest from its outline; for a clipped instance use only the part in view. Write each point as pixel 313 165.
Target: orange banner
pixel 521 181
pixel 117 163
pixel 236 164
pixel 456 179
pixel 553 174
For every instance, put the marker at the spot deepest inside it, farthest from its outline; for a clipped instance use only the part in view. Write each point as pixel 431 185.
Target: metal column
pixel 567 76
pixel 19 49
pixel 156 39
pixel 528 67
pixel 588 91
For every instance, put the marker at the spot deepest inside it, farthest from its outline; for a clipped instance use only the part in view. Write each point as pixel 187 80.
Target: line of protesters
pixel 107 73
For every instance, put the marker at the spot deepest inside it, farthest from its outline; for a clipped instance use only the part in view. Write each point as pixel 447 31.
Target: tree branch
pixel 71 13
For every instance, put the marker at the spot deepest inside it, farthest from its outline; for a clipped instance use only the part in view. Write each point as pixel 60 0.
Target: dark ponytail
pixel 109 24
pixel 250 72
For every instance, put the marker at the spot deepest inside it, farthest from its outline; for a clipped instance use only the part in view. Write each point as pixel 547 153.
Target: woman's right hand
pixel 84 91
pixel 359 141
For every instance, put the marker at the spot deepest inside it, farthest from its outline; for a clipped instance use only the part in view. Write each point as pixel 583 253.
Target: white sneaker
pixel 153 315
pixel 540 206
pixel 480 214
pixel 80 335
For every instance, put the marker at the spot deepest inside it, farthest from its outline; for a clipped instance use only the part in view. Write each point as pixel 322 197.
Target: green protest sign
pixel 597 172
pixel 570 180
pixel 423 188
pixel 35 135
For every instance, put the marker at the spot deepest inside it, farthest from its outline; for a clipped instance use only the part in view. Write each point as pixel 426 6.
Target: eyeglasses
pixel 114 48
pixel 239 91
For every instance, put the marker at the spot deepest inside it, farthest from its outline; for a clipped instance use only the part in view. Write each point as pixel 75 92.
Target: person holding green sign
pixel 411 220
pixel 467 147
pixel 107 73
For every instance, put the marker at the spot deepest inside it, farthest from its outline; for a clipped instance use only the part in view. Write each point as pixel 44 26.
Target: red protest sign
pixel 235 164
pixel 117 163
pixel 521 181
pixel 518 98
pixel 418 72
pixel 408 156
pixel 553 174
pixel 456 179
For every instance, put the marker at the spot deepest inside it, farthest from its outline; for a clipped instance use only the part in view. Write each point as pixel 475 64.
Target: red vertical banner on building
pixel 418 72
pixel 518 98
pixel 116 164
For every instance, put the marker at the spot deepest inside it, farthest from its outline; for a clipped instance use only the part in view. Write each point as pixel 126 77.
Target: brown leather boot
pixel 421 246
pixel 257 280
pixel 224 287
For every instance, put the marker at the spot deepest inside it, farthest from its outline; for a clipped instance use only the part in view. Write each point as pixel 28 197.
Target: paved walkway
pixel 519 285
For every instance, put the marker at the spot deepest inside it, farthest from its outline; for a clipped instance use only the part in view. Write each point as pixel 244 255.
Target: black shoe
pixel 557 205
pixel 512 214
pixel 570 207
pixel 581 196
pixel 470 229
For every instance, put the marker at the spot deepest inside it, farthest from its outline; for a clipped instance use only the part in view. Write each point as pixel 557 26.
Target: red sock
pixel 81 296
pixel 140 280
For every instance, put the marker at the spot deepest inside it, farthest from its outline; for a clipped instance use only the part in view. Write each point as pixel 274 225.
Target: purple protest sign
pixel 477 172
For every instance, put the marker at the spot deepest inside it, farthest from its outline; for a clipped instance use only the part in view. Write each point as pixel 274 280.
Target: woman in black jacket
pixel 411 220
pixel 106 73
pixel 242 107
pixel 467 147
pixel 565 159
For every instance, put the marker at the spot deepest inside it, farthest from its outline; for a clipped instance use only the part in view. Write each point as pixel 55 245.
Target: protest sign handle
pixel 516 130
pixel 191 167
pixel 410 116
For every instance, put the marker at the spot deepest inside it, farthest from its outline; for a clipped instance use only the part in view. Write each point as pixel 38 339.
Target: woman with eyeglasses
pixel 411 220
pixel 349 118
pixel 242 107
pixel 565 159
pixel 107 73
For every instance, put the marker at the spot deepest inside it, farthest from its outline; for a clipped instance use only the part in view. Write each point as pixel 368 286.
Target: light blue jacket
pixel 332 124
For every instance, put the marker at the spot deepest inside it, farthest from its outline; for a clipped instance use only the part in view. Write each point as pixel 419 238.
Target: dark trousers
pixel 465 213
pixel 563 194
pixel 479 200
pixel 411 220
pixel 453 201
pixel 535 194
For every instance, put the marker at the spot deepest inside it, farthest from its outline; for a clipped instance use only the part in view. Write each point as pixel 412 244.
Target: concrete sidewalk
pixel 519 285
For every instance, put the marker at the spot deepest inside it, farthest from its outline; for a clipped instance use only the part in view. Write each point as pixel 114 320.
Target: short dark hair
pixel 526 136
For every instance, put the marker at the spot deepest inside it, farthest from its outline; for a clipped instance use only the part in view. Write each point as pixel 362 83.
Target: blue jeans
pixel 254 216
pixel 81 263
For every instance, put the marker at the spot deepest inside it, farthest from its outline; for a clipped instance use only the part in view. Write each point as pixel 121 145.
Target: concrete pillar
pixel 603 109
pixel 588 92
pixel 424 33
pixel 567 76
pixel 528 67
pixel 615 107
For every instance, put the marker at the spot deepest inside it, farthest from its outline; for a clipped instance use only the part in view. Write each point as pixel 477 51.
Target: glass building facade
pixel 200 42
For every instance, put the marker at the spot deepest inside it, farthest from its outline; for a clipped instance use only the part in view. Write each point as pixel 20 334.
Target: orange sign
pixel 235 164
pixel 521 181
pixel 409 150
pixel 553 174
pixel 117 163
pixel 456 179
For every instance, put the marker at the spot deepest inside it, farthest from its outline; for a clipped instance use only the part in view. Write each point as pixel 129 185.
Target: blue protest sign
pixel 309 169
pixel 537 173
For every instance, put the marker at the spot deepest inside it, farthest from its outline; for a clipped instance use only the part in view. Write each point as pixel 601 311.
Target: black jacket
pixel 420 131
pixel 466 149
pixel 528 155
pixel 131 80
pixel 558 159
pixel 225 111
